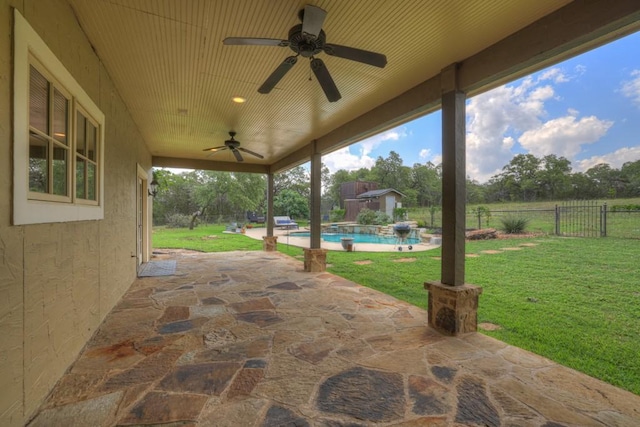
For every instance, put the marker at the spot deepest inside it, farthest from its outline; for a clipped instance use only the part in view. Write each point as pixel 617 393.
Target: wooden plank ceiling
pixel 177 78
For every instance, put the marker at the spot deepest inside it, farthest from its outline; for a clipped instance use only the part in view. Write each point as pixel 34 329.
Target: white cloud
pixel 345 159
pixel 554 74
pixel 499 118
pixel 631 88
pixel 564 136
pixel 615 159
pixel 424 153
pixel 492 115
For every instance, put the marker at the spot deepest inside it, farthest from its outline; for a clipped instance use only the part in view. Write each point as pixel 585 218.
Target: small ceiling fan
pixel 234 146
pixel 308 39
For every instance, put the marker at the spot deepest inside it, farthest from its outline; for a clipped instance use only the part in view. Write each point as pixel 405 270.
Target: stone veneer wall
pixel 58 281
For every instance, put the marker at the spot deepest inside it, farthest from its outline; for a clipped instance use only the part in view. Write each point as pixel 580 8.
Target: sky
pixel 586 109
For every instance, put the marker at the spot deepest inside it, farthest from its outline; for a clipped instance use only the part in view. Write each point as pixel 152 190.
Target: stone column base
pixel 269 243
pixel 453 310
pixel 315 260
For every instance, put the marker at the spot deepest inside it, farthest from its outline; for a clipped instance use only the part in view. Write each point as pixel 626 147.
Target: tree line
pixel 224 196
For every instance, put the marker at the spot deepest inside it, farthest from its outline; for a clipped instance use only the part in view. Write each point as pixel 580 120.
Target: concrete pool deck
pixel 303 242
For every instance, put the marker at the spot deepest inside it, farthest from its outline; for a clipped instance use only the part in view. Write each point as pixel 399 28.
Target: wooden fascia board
pixel 181 163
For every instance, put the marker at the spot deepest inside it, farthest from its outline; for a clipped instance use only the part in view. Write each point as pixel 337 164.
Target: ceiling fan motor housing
pixel 304 44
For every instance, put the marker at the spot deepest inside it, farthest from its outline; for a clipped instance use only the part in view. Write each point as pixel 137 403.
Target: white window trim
pixel 26 211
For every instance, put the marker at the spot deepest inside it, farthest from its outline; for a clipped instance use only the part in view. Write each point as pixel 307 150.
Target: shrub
pixel 381 218
pixel 399 214
pixel 369 217
pixel 514 225
pixel 337 215
pixel 178 221
pixel 366 217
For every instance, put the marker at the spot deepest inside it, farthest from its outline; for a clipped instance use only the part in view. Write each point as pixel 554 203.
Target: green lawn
pixel 575 301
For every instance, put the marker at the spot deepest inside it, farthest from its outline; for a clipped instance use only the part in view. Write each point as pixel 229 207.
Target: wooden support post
pixel 453 180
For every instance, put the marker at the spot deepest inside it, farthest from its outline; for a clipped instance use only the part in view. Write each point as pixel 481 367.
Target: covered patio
pixel 101 92
pixel 250 339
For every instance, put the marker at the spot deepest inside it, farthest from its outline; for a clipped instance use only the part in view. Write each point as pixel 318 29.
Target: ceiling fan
pixel 234 146
pixel 308 39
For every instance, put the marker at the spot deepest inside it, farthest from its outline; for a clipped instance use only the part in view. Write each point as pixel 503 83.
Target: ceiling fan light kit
pixel 307 40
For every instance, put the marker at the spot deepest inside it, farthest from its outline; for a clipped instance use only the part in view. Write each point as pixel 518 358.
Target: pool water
pixel 359 238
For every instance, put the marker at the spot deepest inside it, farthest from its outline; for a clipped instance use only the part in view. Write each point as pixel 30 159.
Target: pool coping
pixel 303 242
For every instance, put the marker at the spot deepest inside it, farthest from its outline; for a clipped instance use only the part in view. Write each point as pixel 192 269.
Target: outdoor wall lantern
pixel 153 188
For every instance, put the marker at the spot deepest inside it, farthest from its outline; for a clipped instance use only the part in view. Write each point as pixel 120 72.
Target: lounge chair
pixel 284 222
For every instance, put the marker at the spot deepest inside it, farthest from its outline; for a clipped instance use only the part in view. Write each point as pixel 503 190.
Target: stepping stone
pixel 489 326
pixel 511 249
pixel 491 252
pixel 363 262
pixel 404 260
pixel 528 245
pixel 471 255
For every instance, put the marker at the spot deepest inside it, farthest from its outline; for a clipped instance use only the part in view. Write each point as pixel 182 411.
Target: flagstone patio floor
pixel 250 339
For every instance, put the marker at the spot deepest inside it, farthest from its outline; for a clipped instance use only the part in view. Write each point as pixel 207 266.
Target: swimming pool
pixel 359 238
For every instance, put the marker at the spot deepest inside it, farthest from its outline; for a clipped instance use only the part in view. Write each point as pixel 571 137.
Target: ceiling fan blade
pixel 253 153
pixel 325 80
pixel 248 41
pixel 313 20
pixel 278 74
pixel 364 56
pixel 237 154
pixel 214 149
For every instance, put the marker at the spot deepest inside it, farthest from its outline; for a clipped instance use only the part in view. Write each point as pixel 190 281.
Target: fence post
pixel 603 232
pixel 557 221
pixel 479 219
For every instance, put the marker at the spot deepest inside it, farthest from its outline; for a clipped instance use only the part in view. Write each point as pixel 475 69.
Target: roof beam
pixel 176 162
pixel 578 27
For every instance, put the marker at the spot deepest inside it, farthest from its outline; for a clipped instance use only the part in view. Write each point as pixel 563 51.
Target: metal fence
pixel 573 218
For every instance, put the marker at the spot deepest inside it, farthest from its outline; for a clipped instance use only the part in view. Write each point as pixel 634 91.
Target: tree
pixel 291 203
pixel 521 177
pixel 390 173
pixel 296 179
pixel 630 173
pixel 426 181
pixel 554 177
pixel 605 180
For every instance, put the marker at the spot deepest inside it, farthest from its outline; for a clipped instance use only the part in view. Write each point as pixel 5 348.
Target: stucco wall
pixel 58 281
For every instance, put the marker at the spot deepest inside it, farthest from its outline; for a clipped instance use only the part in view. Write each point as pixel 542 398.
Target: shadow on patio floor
pixel 249 339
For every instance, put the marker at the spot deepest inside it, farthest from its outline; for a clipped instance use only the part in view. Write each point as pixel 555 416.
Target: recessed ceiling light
pixel 239 99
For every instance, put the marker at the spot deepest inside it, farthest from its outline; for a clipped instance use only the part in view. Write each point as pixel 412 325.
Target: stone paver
pixel 250 339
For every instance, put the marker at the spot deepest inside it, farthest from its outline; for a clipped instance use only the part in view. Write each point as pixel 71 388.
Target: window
pixel 58 139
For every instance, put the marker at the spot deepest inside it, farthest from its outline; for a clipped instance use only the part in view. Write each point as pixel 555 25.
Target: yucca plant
pixel 514 225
